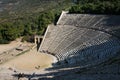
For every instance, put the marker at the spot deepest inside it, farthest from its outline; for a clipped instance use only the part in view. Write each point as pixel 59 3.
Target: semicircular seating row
pixel 64 41
pixel 109 23
pixel 82 44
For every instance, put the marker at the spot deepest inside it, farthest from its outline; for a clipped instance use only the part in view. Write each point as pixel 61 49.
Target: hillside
pixel 28 17
pixel 18 8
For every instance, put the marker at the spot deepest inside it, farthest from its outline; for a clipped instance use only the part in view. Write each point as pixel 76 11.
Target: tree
pixel 27 29
pixel 97 7
pixel 76 9
pixel 43 21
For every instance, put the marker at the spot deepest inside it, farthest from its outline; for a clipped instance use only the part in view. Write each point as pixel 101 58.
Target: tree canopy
pixel 26 27
pixel 96 7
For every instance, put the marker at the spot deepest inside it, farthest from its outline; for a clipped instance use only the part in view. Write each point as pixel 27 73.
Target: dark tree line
pixel 30 17
pixel 26 27
pixel 37 24
pixel 96 7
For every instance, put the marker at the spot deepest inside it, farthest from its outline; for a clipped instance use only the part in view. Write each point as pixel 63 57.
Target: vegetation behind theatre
pixel 28 17
pixel 31 17
pixel 97 7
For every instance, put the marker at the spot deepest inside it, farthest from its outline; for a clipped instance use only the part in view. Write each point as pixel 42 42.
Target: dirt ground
pixel 13 44
pixel 31 60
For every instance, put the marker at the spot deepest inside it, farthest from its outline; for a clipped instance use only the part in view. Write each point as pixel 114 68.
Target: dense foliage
pixel 28 17
pixel 31 17
pixel 11 30
pixel 96 7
